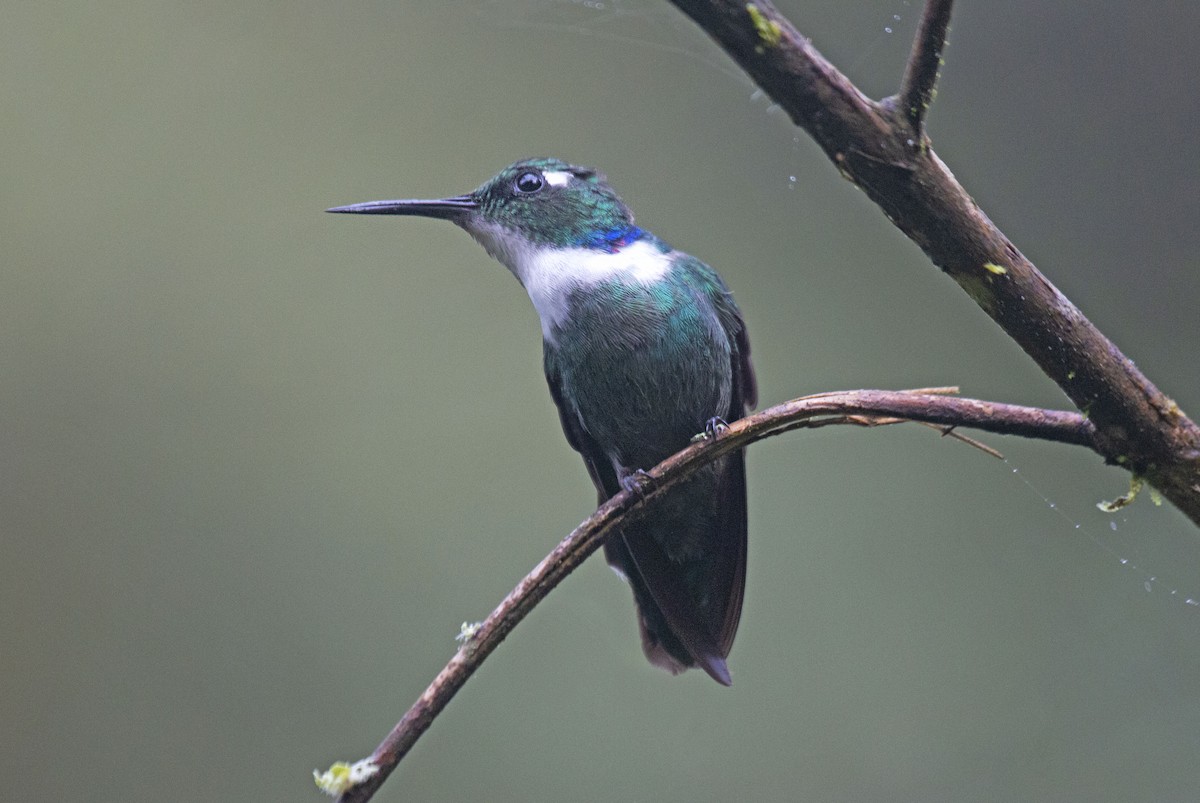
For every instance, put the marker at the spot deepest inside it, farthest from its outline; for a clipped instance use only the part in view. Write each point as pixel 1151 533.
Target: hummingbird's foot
pixel 637 482
pixel 712 428
pixel 715 426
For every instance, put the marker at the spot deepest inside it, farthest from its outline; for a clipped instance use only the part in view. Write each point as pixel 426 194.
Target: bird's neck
pixel 552 274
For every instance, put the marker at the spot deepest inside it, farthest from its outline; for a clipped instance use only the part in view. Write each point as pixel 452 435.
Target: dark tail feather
pixel 689 606
pixel 733 529
pixel 663 649
pixel 669 594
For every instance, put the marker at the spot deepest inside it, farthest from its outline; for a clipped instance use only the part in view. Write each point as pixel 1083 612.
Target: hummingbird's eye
pixel 529 182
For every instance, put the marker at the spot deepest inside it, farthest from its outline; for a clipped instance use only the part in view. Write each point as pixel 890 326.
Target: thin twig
pixel 952 432
pixel 861 407
pixel 919 86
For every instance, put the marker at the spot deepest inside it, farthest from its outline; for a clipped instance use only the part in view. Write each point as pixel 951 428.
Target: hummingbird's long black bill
pixel 445 209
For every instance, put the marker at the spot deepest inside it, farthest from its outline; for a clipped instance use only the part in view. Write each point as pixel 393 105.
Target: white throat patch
pixel 551 274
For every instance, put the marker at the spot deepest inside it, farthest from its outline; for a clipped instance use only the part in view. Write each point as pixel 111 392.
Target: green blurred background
pixel 258 462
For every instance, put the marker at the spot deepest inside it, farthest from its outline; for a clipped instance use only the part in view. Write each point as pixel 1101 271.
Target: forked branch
pixel 879 147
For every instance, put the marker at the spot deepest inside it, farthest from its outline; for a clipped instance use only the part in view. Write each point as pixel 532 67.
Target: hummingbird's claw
pixel 637 482
pixel 715 426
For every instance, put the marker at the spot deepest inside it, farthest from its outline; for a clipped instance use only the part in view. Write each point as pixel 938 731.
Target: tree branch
pixel 874 146
pixel 924 63
pixel 867 408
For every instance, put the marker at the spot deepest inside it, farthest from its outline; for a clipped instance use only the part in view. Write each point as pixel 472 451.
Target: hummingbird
pixel 643 348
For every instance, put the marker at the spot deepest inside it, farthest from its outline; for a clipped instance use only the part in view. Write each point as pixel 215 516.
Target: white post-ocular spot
pixel 557 178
